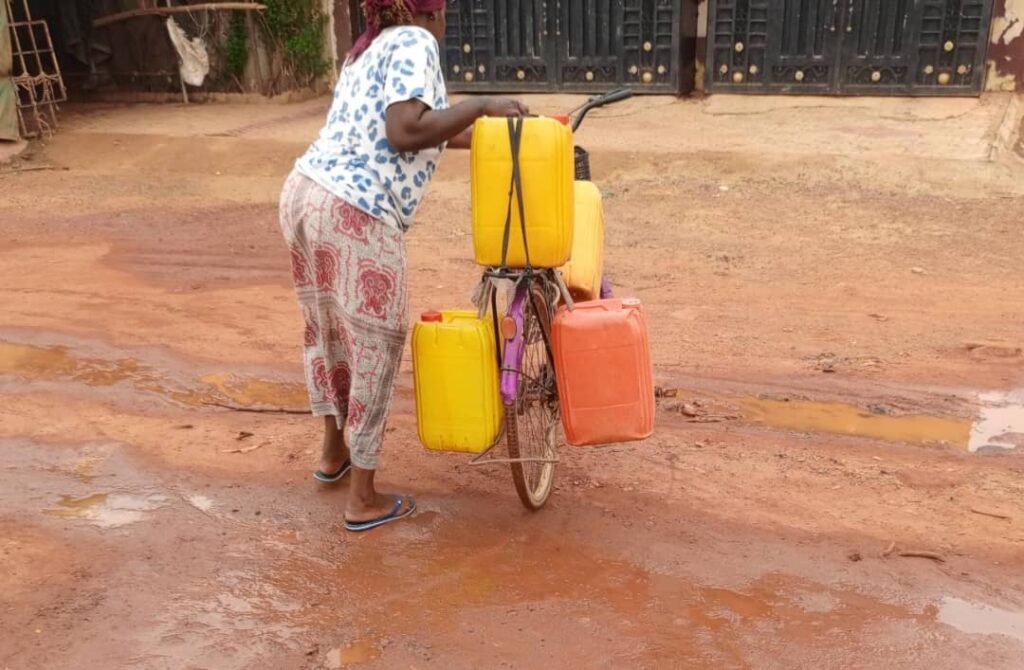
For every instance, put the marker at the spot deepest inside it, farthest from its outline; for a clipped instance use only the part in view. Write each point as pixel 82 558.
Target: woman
pixel 344 212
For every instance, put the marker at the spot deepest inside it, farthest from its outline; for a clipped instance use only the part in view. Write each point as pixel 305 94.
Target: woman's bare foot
pixel 334 453
pixel 365 503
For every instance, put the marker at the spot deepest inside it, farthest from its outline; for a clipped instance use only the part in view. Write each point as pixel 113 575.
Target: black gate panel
pixel 952 46
pixel 523 52
pixel 877 46
pixel 861 47
pixel 590 43
pixel 803 55
pixel 659 44
pixel 774 46
pixel 499 45
pixel 582 45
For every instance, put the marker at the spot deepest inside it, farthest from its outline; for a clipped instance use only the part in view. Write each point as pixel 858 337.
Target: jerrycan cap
pixel 431 317
pixel 631 302
pixel 561 118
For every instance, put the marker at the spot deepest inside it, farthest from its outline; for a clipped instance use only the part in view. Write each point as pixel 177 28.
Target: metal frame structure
pixel 36 74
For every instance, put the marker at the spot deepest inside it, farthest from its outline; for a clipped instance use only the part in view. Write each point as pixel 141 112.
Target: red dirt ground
pixel 148 278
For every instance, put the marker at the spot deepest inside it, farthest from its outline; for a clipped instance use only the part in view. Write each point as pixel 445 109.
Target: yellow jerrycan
pixel 455 370
pixel 583 271
pixel 547 170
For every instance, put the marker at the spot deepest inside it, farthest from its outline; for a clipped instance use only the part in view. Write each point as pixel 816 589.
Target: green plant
pixel 297 27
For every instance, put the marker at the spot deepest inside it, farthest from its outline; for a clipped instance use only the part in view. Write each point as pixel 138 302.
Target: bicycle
pixel 527 374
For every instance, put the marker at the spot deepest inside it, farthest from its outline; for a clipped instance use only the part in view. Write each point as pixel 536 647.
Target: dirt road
pixel 837 307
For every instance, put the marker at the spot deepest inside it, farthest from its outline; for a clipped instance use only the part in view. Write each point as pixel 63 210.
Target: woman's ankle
pixel 362 492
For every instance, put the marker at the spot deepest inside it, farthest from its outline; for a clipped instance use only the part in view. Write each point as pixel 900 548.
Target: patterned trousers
pixel 349 271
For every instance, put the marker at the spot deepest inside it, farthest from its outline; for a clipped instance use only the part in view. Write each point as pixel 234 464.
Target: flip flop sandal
pixel 321 476
pixel 394 515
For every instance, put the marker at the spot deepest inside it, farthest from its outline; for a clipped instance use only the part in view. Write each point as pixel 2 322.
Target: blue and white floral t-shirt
pixel 352 157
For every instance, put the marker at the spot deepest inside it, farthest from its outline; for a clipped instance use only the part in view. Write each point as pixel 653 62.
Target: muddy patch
pixel 59 363
pixel 844 419
pixel 998 422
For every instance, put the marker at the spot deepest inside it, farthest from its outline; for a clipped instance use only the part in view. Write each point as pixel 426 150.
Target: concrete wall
pixel 1006 51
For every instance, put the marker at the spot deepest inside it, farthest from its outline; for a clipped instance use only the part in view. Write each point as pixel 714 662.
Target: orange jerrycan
pixel 455 370
pixel 583 271
pixel 603 364
pixel 545 156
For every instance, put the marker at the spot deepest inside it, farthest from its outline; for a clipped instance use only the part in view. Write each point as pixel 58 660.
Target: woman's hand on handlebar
pixel 503 107
pixel 496 107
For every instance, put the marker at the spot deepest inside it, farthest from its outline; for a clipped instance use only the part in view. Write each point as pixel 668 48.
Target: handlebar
pixel 618 95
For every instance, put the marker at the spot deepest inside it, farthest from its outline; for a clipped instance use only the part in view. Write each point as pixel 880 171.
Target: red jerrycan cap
pixel 431 317
pixel 561 118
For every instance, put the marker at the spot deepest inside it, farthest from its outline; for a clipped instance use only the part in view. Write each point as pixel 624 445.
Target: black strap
pixel 515 138
pixel 494 320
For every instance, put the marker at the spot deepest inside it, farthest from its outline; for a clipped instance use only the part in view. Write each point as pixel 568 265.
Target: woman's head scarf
pixel 381 14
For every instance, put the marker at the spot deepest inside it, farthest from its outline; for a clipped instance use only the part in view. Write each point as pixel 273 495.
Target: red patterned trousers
pixel 349 271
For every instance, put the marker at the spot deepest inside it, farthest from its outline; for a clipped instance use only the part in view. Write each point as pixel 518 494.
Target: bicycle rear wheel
pixel 533 421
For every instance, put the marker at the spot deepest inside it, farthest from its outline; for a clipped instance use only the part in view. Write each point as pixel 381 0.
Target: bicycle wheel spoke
pixel 536 410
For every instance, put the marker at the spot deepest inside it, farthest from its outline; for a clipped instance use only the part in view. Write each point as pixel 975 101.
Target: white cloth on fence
pixel 193 60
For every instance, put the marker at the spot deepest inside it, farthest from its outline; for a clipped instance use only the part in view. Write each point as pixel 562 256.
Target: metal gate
pixel 581 45
pixel 8 94
pixel 851 47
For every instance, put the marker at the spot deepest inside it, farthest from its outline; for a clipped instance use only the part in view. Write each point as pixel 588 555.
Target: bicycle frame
pixel 515 346
pixel 512 357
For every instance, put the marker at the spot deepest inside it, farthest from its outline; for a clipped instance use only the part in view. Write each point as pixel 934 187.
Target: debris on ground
pixel 917 553
pixel 994 515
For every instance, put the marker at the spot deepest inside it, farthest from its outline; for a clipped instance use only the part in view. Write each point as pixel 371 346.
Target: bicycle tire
pixel 532 423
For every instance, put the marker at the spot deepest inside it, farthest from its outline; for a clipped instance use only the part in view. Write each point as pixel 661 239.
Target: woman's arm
pixel 411 125
pixel 463 140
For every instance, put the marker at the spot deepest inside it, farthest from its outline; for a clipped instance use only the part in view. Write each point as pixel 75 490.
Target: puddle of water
pixel 981 619
pixel 256 392
pixel 57 363
pixel 52 363
pixel 71 507
pixel 1000 421
pixel 842 419
pixel 106 510
pixel 354 653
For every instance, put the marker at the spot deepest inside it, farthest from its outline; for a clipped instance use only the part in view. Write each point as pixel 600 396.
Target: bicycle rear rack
pixel 480 459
